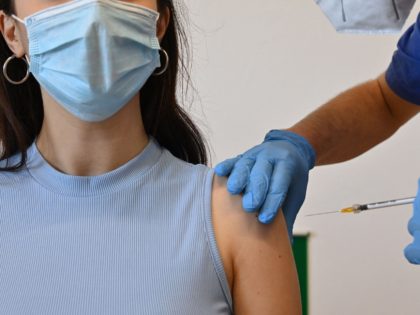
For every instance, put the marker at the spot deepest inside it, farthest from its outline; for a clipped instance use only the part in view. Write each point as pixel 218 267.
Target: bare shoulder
pixel 231 218
pixel 257 258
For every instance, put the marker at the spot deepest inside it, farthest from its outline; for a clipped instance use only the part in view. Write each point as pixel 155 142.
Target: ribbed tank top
pixel 136 240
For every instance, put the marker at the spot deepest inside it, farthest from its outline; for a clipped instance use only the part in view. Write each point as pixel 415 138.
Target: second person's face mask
pixel 367 16
pixel 93 56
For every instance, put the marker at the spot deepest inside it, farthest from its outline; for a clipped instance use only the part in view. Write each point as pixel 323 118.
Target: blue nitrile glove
pixel 412 251
pixel 273 174
pixel 403 74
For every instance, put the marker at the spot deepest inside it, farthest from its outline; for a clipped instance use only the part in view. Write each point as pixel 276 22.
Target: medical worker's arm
pixel 258 259
pixel 274 174
pixel 355 121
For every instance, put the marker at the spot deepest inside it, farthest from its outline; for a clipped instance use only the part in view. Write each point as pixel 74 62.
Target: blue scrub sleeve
pixel 403 74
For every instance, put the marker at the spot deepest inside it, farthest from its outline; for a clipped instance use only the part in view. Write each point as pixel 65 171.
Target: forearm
pixel 354 121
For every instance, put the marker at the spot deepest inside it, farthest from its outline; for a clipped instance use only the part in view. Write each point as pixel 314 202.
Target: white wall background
pixel 260 65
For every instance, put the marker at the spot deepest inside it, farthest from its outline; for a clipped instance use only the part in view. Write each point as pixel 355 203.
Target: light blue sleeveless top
pixel 136 240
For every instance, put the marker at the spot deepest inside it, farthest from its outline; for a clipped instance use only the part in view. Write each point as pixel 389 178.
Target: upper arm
pixel 258 259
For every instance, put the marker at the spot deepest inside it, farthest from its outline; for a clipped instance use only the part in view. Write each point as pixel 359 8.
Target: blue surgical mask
pixel 93 56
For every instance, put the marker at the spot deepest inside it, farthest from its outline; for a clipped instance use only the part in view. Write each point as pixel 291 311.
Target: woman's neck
pixel 81 148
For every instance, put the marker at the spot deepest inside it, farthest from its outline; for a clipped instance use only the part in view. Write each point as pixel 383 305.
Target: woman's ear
pixel 11 34
pixel 163 22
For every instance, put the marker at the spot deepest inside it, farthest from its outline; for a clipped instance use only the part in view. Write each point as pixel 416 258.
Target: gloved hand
pixel 273 174
pixel 412 251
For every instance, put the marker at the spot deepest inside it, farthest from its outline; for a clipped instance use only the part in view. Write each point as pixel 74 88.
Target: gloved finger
pixel 225 168
pixel 258 185
pixel 281 180
pixel 239 177
pixel 412 251
pixel 414 224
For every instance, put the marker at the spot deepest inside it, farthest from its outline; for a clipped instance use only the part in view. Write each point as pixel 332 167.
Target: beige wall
pixel 265 64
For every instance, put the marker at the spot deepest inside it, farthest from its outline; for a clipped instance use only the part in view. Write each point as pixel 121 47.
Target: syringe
pixel 370 206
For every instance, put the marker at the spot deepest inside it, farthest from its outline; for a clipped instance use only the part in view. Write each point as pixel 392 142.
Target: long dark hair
pixel 21 107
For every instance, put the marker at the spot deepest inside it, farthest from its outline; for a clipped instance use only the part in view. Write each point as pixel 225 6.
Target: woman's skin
pixel 257 258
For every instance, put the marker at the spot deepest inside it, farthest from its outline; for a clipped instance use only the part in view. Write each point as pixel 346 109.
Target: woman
pixel 101 212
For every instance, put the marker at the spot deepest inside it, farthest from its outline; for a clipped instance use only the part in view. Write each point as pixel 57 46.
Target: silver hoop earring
pixel 165 54
pixel 6 64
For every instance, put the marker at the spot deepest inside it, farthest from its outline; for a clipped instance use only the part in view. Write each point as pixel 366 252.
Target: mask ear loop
pixel 18 19
pixel 343 11
pixel 396 9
